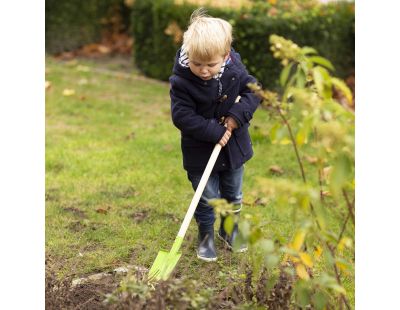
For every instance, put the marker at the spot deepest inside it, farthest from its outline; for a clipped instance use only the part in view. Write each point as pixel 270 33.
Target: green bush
pixel 329 29
pixel 154 51
pixel 71 24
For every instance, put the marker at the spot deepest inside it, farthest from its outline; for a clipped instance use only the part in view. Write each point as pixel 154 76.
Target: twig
pixel 350 206
pixel 294 144
pixel 344 299
pixel 321 195
pixel 344 227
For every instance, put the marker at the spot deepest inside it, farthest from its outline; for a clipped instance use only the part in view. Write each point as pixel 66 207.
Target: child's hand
pixel 225 138
pixel 230 123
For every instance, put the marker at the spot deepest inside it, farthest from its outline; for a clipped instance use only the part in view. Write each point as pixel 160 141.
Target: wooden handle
pixel 199 190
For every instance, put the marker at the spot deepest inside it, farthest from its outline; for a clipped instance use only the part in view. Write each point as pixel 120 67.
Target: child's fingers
pixel 225 138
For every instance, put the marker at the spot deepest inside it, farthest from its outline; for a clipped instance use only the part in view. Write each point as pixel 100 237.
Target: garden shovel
pixel 166 261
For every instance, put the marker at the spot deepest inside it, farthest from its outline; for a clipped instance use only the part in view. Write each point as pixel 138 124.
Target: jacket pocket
pixel 242 138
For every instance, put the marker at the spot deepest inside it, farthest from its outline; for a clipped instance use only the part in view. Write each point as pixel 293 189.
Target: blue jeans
pixel 224 184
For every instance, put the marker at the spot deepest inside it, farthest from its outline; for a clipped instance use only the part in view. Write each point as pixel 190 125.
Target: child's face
pixel 206 69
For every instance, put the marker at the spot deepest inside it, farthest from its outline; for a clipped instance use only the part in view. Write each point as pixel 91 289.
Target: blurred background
pixel 150 32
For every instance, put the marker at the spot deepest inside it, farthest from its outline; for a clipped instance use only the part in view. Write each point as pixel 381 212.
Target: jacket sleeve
pixel 243 110
pixel 185 118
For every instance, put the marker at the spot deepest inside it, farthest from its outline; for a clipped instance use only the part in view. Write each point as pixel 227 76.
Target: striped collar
pixel 184 62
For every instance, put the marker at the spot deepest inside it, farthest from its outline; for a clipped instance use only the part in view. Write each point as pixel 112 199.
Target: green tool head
pixel 163 265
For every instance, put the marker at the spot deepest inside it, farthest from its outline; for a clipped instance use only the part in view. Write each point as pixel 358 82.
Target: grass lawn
pixel 116 191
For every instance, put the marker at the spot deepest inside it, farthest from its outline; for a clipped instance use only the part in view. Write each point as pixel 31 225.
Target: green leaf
pixel 319 300
pixel 273 132
pixel 228 224
pixel 271 260
pixel 255 235
pixel 338 288
pixel 244 229
pixel 306 50
pixel 322 61
pixel 302 135
pixel 289 251
pixel 322 81
pixel 343 265
pixel 266 245
pixel 302 294
pixel 341 173
pixel 318 79
pixel 300 78
pixel 285 74
pixel 343 88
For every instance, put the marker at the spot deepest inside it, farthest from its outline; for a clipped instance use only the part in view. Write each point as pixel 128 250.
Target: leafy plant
pixel 308 118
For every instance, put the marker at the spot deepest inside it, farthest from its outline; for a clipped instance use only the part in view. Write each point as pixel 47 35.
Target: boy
pixel 208 77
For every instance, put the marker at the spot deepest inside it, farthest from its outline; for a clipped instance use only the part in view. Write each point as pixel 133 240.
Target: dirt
pixel 139 216
pixel 79 213
pixel 88 295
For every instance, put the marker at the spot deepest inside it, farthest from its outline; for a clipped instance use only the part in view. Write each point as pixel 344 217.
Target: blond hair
pixel 206 36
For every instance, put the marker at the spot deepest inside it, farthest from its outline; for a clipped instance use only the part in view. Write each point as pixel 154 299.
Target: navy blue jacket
pixel 197 110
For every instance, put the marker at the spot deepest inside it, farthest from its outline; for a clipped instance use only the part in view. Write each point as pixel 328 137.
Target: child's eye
pixel 212 65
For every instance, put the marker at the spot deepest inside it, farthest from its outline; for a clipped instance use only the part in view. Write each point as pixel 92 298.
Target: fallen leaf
pixel 68 92
pixel 276 169
pixel 104 49
pixel 131 136
pixel 326 193
pixel 311 159
pixel 261 201
pixel 168 148
pixel 47 84
pixel 102 211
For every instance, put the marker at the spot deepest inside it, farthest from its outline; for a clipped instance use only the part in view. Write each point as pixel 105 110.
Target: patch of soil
pixel 173 217
pixel 76 226
pixel 124 192
pixel 139 216
pixel 52 194
pixel 90 295
pixel 81 214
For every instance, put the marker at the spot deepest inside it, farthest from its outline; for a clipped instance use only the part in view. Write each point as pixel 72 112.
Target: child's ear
pixel 226 57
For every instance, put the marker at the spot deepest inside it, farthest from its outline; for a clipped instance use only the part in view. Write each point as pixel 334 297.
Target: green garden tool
pixel 166 261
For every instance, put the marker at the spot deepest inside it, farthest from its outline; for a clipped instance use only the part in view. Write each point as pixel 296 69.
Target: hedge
pixel 73 23
pixel 329 29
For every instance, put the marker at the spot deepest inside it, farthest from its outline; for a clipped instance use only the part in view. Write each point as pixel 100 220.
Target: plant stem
pixel 294 144
pixel 350 206
pixel 344 227
pixel 344 299
pixel 319 171
pixel 298 159
pixel 321 195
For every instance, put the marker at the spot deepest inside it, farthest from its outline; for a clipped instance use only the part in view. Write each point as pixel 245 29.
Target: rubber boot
pixel 206 245
pixel 230 239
